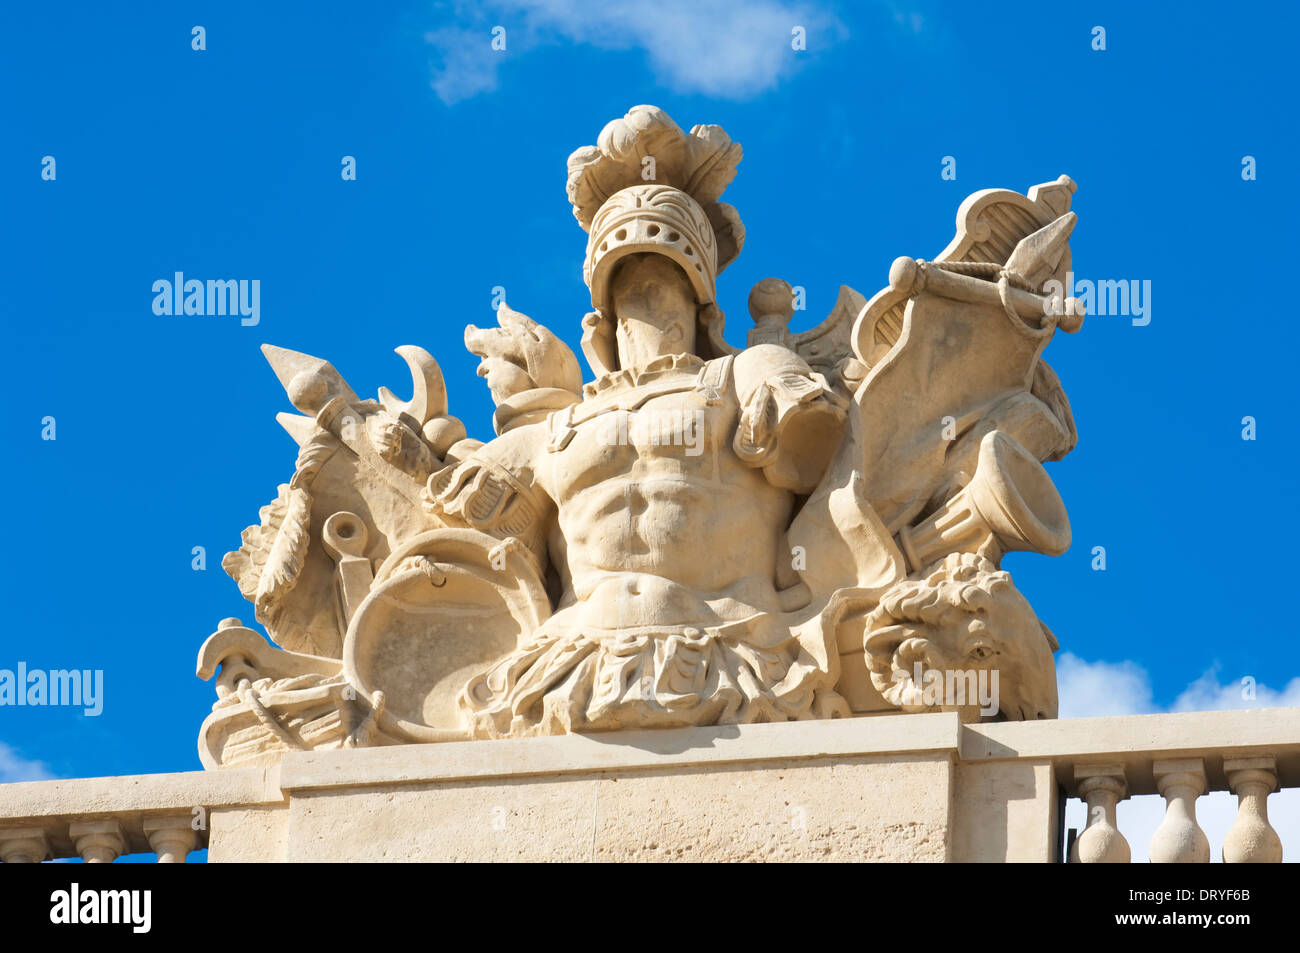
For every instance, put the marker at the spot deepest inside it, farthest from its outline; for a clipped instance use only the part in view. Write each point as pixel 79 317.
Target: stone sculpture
pixel 699 535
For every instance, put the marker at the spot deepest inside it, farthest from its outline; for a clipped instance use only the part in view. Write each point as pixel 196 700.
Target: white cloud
pixel 713 47
pixel 1093 689
pixel 16 768
pixel 1206 694
pixel 466 65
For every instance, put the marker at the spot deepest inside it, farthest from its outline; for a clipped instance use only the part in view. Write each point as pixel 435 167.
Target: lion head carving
pixel 962 625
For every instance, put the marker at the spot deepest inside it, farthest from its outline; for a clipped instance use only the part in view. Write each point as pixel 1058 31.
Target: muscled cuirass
pixel 646 472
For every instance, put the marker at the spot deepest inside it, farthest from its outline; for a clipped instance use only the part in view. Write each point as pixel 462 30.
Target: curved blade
pixel 429 397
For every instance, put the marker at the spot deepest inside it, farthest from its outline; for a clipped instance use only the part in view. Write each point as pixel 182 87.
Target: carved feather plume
pixel 272 554
pixel 701 163
pixel 288 548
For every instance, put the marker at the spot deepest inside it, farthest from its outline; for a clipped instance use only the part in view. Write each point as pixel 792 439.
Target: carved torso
pixel 647 480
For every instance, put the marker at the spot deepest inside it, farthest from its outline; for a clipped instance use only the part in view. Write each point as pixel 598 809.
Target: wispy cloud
pixel 908 18
pixel 13 767
pixel 1093 689
pixel 1207 694
pixel 713 47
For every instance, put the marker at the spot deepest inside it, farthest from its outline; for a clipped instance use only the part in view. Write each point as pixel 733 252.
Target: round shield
pixel 444 606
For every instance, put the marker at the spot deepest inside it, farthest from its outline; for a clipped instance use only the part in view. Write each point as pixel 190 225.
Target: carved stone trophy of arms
pixel 810 526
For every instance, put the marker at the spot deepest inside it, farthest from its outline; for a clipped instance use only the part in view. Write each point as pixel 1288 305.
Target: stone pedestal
pixel 886 788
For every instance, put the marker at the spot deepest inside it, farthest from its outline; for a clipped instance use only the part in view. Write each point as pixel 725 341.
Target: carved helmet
pixel 656 219
pixel 678 215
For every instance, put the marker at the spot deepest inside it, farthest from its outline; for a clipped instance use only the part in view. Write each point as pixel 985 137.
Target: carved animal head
pixel 961 618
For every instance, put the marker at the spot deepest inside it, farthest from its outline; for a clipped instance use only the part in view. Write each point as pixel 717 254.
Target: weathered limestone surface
pixel 708 794
pixel 249 835
pixel 1005 811
pixel 854 809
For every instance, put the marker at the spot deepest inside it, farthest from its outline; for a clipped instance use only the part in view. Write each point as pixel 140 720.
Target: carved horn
pixel 429 396
pixel 1010 504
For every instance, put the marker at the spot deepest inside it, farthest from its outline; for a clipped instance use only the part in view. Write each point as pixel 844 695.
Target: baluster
pixel 23 845
pixel 1252 839
pixel 1101 786
pixel 98 842
pixel 1179 839
pixel 172 838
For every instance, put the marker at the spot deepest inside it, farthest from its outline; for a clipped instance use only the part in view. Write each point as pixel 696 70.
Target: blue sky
pixel 225 163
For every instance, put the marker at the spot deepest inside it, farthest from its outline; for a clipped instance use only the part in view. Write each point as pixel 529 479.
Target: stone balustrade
pixel 102 819
pixel 1181 757
pixel 1179 838
pixel 892 787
